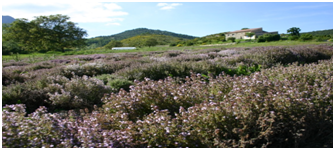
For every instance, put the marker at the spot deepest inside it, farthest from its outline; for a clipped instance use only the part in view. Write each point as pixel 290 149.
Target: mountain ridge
pixel 138 31
pixel 7 19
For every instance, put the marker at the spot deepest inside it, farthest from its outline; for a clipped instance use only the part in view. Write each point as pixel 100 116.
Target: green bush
pixel 293 37
pixel 117 84
pixel 306 37
pixel 232 39
pixel 268 38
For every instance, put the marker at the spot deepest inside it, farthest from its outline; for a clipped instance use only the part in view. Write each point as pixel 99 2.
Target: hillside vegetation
pixel 140 40
pixel 103 40
pixel 320 33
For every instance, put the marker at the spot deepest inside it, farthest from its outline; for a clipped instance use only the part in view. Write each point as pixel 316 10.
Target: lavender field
pixel 273 96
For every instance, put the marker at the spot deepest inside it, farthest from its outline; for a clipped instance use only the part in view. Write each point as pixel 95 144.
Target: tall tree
pixel 18 32
pixel 294 31
pixel 52 32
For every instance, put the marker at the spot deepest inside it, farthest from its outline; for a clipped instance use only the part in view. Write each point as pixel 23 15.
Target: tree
pixel 47 33
pixel 18 32
pixel 151 42
pixel 294 31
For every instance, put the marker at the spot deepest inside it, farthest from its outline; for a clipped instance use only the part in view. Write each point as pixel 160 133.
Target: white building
pixel 123 48
pixel 241 34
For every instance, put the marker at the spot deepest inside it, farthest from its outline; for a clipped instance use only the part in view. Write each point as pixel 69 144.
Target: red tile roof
pixel 246 30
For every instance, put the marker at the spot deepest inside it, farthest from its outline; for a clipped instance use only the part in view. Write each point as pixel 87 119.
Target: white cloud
pixel 79 12
pixel 166 6
pixel 161 4
pixel 113 24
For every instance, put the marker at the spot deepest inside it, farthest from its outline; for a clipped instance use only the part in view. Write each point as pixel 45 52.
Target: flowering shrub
pixel 11 76
pixel 79 92
pixel 92 68
pixel 57 92
pixel 288 105
pixel 270 56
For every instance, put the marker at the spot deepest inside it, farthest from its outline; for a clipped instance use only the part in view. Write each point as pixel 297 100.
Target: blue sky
pixel 191 18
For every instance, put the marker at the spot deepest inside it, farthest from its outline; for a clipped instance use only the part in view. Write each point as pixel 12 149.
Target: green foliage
pixel 250 34
pixel 15 57
pixel 9 46
pixel 117 84
pixel 209 39
pixel 293 37
pixel 294 31
pixel 45 33
pixel 112 44
pixel 150 42
pixel 306 37
pixel 268 38
pixel 232 39
pixel 320 33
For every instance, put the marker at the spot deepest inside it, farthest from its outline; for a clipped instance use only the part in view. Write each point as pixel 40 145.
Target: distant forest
pixel 320 33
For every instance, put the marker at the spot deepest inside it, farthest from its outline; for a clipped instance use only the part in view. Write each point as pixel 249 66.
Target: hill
pixel 7 19
pixel 103 40
pixel 320 32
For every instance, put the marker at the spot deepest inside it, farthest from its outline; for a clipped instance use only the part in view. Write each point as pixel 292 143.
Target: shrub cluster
pixel 268 38
pixel 56 92
pixel 93 68
pixel 271 55
pixel 283 106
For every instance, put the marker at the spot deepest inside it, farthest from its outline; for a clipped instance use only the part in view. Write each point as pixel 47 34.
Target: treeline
pixel 322 35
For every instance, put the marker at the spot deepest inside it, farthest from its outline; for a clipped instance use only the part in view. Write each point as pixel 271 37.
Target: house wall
pixel 241 34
